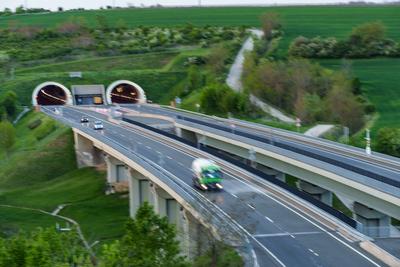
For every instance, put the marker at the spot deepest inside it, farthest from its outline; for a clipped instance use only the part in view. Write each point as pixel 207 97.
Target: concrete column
pixel 374 223
pixel 117 171
pixel 84 150
pixel 185 134
pixel 317 192
pixel 139 191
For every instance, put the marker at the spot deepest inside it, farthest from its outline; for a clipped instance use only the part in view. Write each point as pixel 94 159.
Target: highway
pixel 379 171
pixel 281 235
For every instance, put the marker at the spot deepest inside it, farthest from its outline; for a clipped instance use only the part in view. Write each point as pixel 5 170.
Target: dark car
pixel 84 120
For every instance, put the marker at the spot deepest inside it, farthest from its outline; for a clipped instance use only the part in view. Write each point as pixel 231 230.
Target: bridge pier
pixel 317 192
pixel 374 223
pixel 87 155
pixel 117 175
pixel 139 191
pixel 187 135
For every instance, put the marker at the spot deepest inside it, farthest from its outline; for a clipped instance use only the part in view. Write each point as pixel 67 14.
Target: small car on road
pixel 84 119
pixel 98 125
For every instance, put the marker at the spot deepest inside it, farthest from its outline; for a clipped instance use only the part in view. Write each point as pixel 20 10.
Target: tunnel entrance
pixel 124 94
pixel 51 95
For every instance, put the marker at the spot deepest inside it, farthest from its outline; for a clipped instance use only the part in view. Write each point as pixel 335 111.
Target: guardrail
pixel 304 152
pixel 220 221
pixel 341 216
pixel 327 145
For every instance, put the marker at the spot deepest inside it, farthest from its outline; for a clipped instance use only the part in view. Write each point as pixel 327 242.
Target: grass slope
pixel 157 84
pixel 126 62
pixel 42 174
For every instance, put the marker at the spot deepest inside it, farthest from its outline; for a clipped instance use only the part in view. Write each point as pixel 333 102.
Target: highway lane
pixel 277 230
pixel 384 179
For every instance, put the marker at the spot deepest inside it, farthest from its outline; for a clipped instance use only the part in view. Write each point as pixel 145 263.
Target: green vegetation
pixel 149 240
pixel 366 40
pixel 45 248
pixel 41 173
pixel 131 62
pixel 379 81
pixel 388 141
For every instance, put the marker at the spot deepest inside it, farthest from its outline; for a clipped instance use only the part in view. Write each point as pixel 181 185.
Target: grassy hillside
pixel 381 83
pixel 42 174
pixel 126 62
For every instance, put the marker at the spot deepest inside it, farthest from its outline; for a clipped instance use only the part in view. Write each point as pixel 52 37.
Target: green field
pixel 43 174
pixel 316 20
pixel 126 62
pixel 381 81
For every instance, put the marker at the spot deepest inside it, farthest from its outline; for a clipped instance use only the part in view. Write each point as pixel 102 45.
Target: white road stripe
pixel 234 195
pixel 169 157
pixel 251 206
pixel 287 234
pixel 269 219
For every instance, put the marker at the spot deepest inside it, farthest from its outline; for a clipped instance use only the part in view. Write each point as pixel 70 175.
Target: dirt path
pixel 234 79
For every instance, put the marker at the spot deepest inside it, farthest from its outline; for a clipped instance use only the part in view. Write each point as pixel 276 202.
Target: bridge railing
pixel 224 225
pixel 338 214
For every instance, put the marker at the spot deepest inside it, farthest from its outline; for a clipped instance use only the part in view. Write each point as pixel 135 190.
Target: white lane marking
pixel 269 219
pixel 168 157
pixel 218 208
pixel 123 135
pixel 234 195
pixel 313 223
pixel 312 251
pixel 139 143
pixel 292 236
pixel 287 234
pixel 148 147
pixel 251 206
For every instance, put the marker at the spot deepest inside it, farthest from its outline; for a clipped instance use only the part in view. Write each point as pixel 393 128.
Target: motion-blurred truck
pixel 207 175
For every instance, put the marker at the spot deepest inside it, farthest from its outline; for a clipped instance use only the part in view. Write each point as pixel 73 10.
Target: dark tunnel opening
pixel 51 95
pixel 124 94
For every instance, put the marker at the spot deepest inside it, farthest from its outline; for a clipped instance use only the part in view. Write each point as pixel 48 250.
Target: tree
pixel 367 33
pixel 9 102
pixel 388 141
pixel 7 136
pixel 216 59
pixel 270 22
pixel 342 105
pixel 149 241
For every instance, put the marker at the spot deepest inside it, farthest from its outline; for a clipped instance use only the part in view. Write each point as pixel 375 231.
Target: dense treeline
pixel 149 241
pixel 365 41
pixel 303 88
pixel 74 37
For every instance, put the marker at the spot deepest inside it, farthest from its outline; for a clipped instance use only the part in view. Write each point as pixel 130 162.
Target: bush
pixel 219 99
pixel 45 129
pixel 388 141
pixel 34 124
pixel 366 40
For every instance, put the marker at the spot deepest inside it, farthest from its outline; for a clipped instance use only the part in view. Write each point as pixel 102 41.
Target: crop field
pixel 303 20
pixel 380 81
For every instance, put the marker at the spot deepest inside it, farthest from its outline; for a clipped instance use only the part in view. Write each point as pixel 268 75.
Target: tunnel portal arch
pixel 51 93
pixel 125 92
